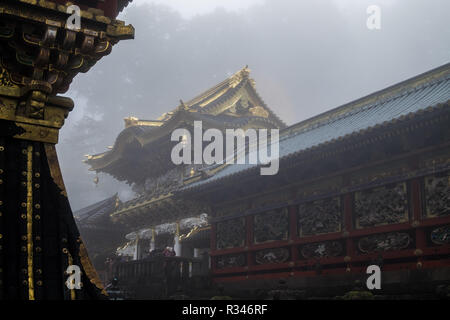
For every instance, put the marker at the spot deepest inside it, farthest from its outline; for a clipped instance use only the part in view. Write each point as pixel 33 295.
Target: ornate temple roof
pixel 407 99
pixel 233 103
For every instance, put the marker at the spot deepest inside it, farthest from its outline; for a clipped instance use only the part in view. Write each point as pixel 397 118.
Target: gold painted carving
pixel 55 171
pixel 259 111
pixel 30 222
pixel 44 119
pixel 5 78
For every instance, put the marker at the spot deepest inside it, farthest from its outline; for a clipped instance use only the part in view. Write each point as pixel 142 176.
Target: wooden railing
pixel 158 277
pixel 178 267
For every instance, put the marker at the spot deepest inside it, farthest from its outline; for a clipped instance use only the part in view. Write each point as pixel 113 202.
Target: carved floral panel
pixel 441 235
pixel 271 226
pixel 320 216
pixel 231 261
pixel 437 195
pixel 379 206
pixel 325 249
pixel 384 242
pixel 274 255
pixel 230 233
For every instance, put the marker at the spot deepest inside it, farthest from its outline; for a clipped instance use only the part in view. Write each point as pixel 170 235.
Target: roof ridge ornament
pixel 130 121
pixel 239 76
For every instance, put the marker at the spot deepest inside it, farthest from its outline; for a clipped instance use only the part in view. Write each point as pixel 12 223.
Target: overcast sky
pixel 306 56
pixel 190 8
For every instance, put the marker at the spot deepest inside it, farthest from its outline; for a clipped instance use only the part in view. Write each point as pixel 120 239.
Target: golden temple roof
pixel 214 101
pixel 233 103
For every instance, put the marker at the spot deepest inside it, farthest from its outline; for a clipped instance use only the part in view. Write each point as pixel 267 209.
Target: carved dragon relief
pixel 321 250
pixel 320 216
pixel 275 255
pixel 271 226
pixel 379 206
pixel 384 242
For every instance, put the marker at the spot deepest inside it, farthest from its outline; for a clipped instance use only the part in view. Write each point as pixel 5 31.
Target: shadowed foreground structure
pixel 39 58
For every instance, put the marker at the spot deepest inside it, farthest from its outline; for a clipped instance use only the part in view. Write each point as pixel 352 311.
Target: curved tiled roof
pixel 404 99
pixel 102 208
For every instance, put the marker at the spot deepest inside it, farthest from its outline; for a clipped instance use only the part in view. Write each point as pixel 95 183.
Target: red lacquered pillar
pixel 416 207
pixel 213 245
pixel 348 228
pixel 249 239
pixel 293 232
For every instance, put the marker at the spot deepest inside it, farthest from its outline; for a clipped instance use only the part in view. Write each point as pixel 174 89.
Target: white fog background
pixel 307 56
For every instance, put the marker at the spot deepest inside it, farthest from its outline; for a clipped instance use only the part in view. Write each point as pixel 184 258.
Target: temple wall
pixel 395 214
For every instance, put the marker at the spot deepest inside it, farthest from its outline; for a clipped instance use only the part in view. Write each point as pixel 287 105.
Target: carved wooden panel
pixel 437 195
pixel 230 233
pixel 325 249
pixel 441 235
pixel 231 261
pixel 271 226
pixel 274 255
pixel 380 206
pixel 320 216
pixel 385 242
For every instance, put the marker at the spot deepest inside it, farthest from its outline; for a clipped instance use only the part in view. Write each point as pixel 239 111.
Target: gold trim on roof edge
pixel 143 204
pixel 391 91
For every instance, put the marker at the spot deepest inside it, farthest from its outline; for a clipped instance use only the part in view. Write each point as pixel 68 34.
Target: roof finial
pixel 246 71
pixel 117 202
pixel 183 105
pixel 130 121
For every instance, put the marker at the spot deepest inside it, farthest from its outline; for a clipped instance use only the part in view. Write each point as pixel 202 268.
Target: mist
pixel 306 57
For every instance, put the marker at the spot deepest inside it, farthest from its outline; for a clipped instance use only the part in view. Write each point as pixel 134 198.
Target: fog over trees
pixel 306 56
